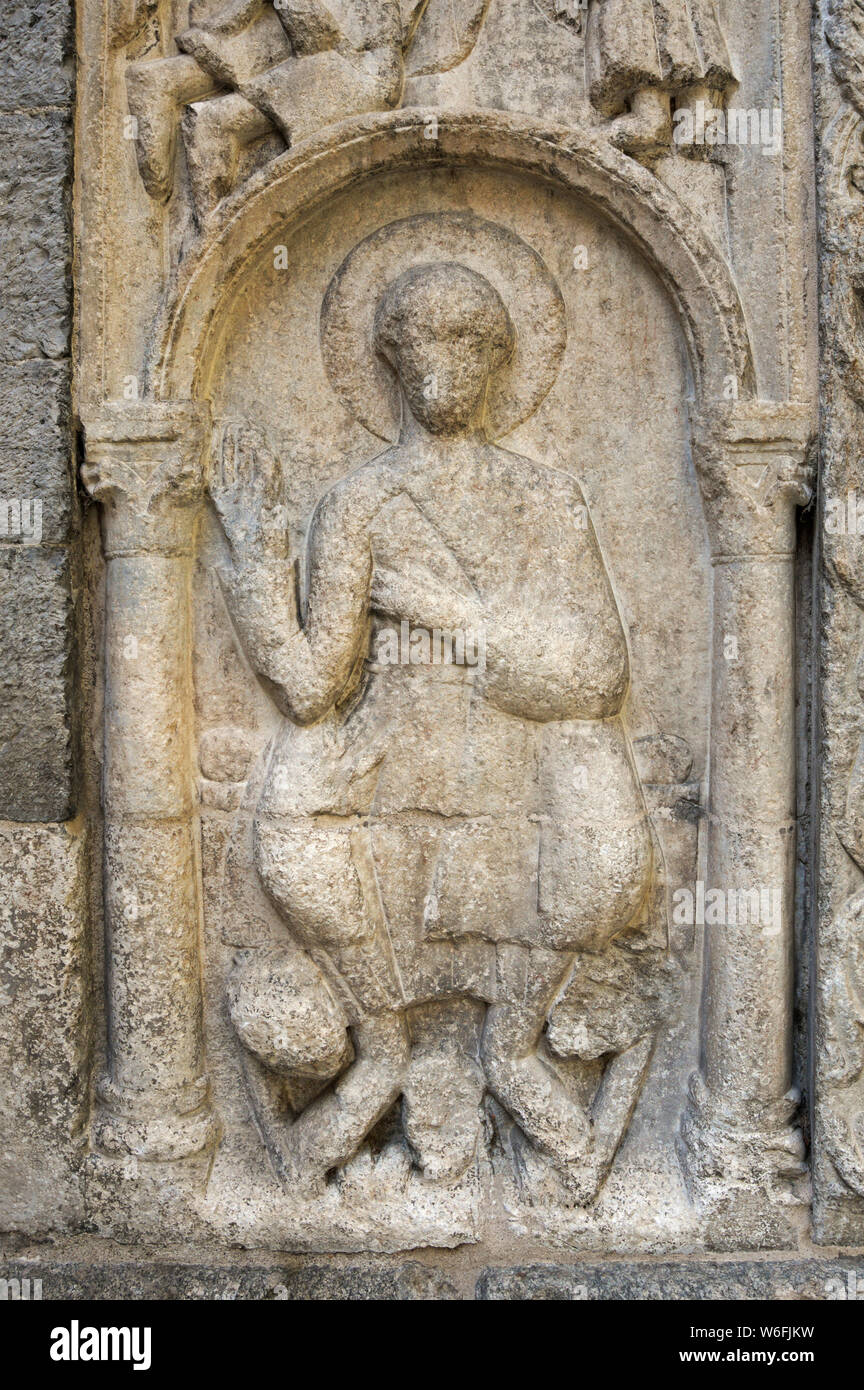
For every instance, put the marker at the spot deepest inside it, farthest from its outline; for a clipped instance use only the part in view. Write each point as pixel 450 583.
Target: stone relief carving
pixel 288 67
pixel 452 971
pixel 643 56
pixel 443 619
pixel 145 464
pixel 756 465
pixel 443 35
pixel 437 967
pixel 254 69
pixel 434 772
pixel 462 847
pixel 843 947
pixel 844 30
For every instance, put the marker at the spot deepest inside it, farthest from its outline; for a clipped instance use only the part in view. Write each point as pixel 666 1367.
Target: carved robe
pixel 667 44
pixel 484 806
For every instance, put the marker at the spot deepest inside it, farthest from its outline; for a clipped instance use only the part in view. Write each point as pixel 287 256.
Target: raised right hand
pixel 247 488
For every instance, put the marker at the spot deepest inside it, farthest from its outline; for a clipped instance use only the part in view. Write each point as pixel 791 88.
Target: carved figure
pixel 255 67
pixel 443 837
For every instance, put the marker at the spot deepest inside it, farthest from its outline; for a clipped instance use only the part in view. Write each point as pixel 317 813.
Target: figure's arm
pixel 561 652
pixel 446 36
pixel 306 665
pixel 562 660
pixel 555 649
pixel 309 25
pixel 311 28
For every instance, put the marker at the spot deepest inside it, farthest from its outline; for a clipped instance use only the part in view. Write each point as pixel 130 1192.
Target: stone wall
pixel 37 462
pixel 838 1060
pixel 45 1029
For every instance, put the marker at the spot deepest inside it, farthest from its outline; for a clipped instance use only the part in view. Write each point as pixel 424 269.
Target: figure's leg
pixel 441 1107
pixel 303 95
pixel 444 1088
pixel 330 1130
pixel 156 91
pixel 647 127
pixel 214 133
pixel 526 1086
pixel 233 16
pixel 322 879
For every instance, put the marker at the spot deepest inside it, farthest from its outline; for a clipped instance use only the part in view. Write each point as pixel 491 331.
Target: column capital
pixel 145 462
pixel 755 465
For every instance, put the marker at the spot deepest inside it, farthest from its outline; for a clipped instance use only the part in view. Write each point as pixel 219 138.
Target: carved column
pixel 752 458
pixel 145 465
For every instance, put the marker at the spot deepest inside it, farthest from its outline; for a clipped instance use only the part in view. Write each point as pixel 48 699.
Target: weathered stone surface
pixel 35 235
pixel 37 734
pixel 737 1280
pixel 839 1020
pixel 782 1280
pixel 37 490
pixel 37 38
pixel 45 1025
pixel 447 376
pixel 399 1282
pixel 37 451
pixel 439 746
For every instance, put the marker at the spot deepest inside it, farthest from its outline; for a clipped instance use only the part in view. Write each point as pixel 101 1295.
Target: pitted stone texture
pixel 36 676
pixel 45 1025
pixel 738 1280
pixel 37 41
pixel 35 245
pixel 285 1015
pixel 309 1282
pixel 788 1279
pixel 443 843
pixel 37 624
pixel 545 705
pixel 36 446
pixel 838 1124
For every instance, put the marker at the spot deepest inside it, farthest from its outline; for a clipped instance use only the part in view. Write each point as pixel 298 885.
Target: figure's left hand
pixel 415 593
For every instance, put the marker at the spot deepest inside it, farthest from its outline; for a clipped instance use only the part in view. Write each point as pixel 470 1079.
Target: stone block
pixel 37 737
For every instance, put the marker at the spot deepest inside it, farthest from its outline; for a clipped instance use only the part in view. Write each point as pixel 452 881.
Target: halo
pixel 366 385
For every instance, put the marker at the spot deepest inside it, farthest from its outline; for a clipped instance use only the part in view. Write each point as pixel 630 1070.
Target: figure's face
pixel 444 371
pixel 444 330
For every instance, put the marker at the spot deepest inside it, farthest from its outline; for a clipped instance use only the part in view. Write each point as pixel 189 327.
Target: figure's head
pixel 444 330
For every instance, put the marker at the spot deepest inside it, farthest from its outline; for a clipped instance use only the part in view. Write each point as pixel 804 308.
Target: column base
pixel 159 1139
pixel 739 1172
pixel 159 1128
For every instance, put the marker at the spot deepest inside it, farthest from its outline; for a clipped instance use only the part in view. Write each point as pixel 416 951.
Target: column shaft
pixel 144 465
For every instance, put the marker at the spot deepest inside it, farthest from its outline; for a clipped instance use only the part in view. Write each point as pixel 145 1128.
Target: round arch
pixel 667 235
